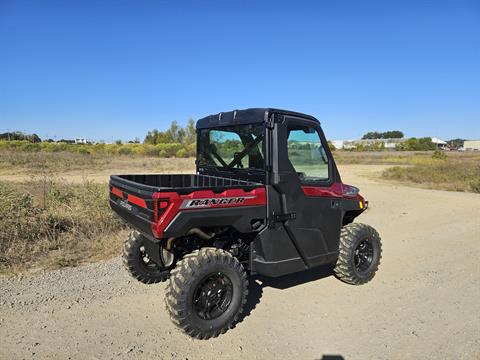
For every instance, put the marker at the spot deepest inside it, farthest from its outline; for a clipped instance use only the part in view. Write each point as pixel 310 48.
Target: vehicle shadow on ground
pixel 257 283
pixel 287 281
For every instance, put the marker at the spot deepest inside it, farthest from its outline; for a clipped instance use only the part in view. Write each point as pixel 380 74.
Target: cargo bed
pixel 181 183
pixel 145 201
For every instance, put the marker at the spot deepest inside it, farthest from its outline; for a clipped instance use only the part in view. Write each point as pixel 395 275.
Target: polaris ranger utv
pixel 266 199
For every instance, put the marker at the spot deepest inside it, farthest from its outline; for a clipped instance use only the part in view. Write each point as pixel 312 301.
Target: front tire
pixel 359 254
pixel 206 293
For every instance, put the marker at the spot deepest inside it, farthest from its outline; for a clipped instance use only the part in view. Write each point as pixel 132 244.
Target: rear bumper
pixel 132 216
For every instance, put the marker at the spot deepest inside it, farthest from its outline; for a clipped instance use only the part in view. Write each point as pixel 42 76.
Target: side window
pixel 307 155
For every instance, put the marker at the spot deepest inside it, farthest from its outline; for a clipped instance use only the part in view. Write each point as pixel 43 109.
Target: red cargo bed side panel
pixel 206 199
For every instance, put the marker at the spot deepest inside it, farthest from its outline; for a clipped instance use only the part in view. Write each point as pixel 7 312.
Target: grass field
pixel 454 171
pixel 49 223
pixel 54 210
pixel 14 162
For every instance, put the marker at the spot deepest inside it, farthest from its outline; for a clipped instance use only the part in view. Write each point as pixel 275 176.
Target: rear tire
pixel 206 293
pixel 359 254
pixel 137 263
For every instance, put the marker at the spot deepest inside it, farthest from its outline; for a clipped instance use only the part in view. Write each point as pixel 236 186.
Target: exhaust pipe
pixel 200 233
pixel 194 231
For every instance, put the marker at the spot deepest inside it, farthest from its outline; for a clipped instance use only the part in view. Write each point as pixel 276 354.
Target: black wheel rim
pixel 212 296
pixel 363 256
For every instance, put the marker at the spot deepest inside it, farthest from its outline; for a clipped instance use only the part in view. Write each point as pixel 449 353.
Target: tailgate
pixel 133 202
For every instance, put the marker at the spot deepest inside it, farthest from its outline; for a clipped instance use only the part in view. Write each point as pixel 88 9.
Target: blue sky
pixel 116 69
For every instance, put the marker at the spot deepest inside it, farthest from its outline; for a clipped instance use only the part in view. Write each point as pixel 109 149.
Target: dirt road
pixel 424 302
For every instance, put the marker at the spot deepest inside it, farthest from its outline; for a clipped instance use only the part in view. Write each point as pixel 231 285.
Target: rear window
pixel 232 147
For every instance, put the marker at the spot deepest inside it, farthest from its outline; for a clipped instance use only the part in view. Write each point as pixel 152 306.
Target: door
pixel 307 182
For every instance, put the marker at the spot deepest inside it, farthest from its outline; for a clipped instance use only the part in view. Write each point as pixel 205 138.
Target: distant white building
pixel 439 143
pixel 389 144
pixel 471 145
pixel 339 143
pixel 351 144
pixel 81 141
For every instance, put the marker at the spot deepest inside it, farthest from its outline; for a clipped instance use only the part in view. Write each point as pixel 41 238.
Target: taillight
pixel 159 207
pixel 117 192
pixel 163 204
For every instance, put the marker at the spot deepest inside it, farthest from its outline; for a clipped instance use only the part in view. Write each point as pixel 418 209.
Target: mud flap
pixel 152 248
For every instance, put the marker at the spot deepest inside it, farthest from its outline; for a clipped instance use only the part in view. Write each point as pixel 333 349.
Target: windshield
pixel 232 147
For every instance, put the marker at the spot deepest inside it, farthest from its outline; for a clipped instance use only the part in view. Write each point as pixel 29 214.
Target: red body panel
pixel 334 191
pixel 162 219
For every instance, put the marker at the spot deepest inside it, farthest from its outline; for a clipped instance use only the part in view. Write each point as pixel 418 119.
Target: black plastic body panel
pixel 132 217
pixel 179 183
pixel 273 253
pixel 240 218
pixel 247 116
pixel 137 217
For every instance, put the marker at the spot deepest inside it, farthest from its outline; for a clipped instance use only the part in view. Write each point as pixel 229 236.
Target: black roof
pixel 247 116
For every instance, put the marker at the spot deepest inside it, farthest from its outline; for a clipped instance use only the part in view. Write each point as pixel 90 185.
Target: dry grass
pixel 454 171
pixel 51 223
pixel 400 157
pixel 440 174
pixel 52 216
pixel 19 166
pixel 61 162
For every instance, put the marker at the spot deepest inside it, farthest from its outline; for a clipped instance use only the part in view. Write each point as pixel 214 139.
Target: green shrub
pixel 62 147
pixel 161 150
pixel 416 144
pixel 191 149
pixel 439 155
pixel 149 150
pixel 170 149
pixel 475 185
pixel 124 150
pixel 373 146
pixel 181 153
pixel 83 150
pixel 30 147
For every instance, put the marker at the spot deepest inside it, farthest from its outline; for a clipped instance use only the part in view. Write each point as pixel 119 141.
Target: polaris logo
pixel 213 202
pixel 125 204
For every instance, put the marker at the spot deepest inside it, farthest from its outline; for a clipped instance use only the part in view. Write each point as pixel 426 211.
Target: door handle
pixel 335 204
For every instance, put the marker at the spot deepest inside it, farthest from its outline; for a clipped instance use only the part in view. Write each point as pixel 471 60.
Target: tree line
pixel 393 134
pixel 174 134
pixel 176 141
pixel 20 136
pixel 180 141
